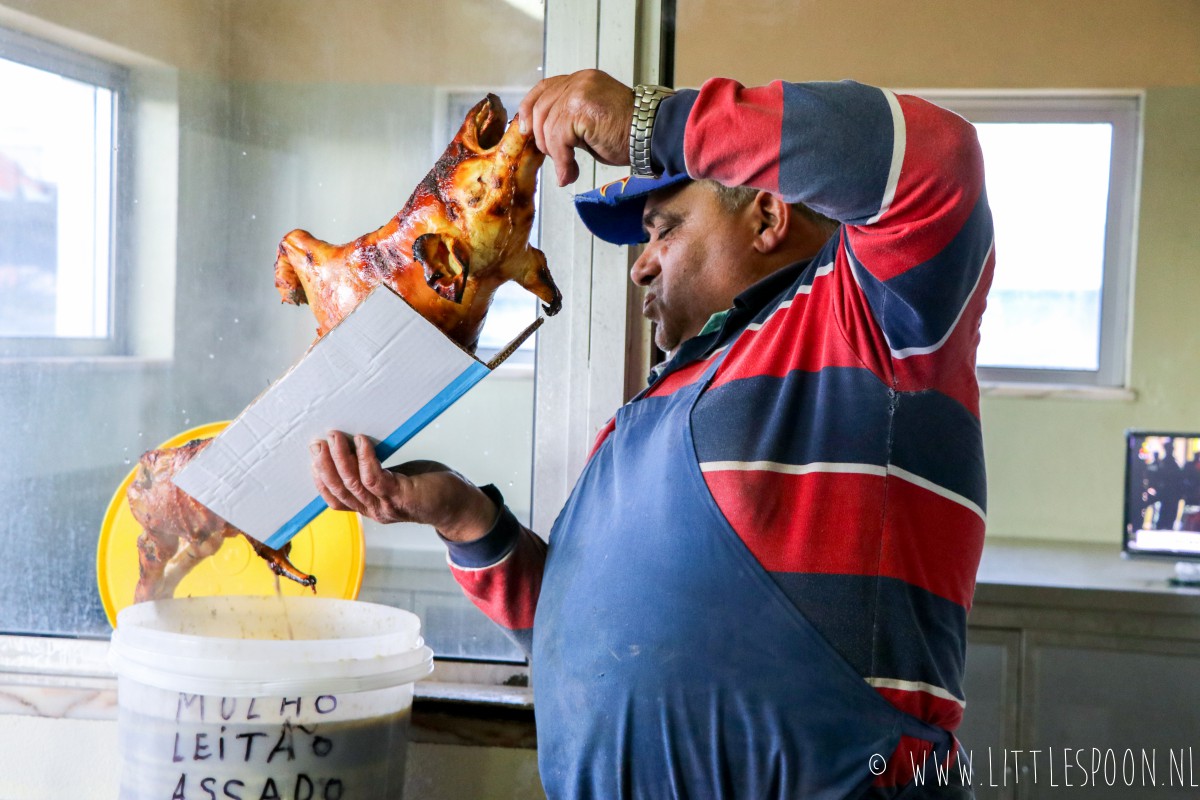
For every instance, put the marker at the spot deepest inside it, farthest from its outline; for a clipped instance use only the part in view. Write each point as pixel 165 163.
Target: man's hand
pixel 588 109
pixel 350 478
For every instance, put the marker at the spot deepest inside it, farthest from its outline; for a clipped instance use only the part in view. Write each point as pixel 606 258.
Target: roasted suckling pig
pixel 178 532
pixel 463 233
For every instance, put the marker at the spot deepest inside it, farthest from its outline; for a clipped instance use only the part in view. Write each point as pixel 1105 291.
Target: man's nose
pixel 644 268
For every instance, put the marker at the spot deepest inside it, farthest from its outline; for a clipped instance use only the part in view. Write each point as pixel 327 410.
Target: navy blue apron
pixel 666 661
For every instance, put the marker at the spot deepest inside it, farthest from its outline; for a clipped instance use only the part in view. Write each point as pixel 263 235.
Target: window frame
pixel 1124 111
pixel 74 65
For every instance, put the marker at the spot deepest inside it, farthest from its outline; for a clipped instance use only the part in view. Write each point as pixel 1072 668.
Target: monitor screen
pixel 1162 494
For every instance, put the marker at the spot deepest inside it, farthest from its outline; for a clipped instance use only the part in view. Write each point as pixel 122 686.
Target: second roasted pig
pixel 177 532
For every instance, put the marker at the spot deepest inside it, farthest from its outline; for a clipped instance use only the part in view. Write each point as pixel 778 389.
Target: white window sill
pixel 1056 391
pixel 90 362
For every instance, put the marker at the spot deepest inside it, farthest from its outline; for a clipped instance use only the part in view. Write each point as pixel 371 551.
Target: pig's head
pixel 471 217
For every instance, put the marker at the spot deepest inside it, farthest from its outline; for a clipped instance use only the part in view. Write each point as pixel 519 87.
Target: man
pixel 1167 483
pixel 759 585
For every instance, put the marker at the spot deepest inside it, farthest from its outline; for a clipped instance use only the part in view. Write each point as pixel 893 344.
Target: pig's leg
pixel 536 278
pixel 155 550
pixel 295 249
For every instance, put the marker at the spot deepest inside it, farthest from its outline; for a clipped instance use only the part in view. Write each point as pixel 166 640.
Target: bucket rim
pixel 135 617
pixel 221 665
pixel 201 644
pixel 399 672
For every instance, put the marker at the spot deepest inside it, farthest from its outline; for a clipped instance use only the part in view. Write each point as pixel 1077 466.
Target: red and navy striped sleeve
pixel 903 175
pixel 502 573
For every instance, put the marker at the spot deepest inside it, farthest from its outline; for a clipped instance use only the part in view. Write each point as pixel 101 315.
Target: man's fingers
pixel 343 458
pixel 538 111
pixel 350 478
pixel 586 110
pixel 374 478
pixel 561 140
pixel 347 462
pixel 566 168
pixel 525 109
pixel 331 500
pixel 327 479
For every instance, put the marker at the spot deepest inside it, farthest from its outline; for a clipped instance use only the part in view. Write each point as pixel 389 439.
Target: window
pixel 57 170
pixel 229 144
pixel 1062 181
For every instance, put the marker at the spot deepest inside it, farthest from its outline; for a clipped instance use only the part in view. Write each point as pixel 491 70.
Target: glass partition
pixel 232 124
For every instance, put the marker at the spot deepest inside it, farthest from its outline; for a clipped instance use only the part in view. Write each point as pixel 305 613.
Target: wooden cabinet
pixel 990 721
pixel 1078 691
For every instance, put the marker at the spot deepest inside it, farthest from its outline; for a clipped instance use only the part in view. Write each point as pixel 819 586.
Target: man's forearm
pixel 501 572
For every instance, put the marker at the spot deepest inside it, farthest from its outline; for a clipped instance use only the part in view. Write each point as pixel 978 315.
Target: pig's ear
pixel 484 124
pixel 446 261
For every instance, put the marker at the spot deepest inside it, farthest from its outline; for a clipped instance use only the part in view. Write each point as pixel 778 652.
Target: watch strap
pixel 646 99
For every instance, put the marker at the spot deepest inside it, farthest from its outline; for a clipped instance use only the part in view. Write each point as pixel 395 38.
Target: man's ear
pixel 772 218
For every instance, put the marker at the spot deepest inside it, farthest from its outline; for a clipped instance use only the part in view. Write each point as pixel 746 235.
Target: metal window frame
pixel 1124 111
pixel 598 347
pixel 50 57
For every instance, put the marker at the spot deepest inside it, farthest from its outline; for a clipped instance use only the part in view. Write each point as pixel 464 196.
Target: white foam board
pixel 383 371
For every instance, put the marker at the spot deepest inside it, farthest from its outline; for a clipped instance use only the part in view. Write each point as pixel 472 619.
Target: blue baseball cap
pixel 614 211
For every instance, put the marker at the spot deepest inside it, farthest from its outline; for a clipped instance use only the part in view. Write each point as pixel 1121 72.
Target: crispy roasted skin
pixel 463 233
pixel 177 532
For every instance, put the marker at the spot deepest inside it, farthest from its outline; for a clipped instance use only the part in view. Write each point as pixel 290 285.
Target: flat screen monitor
pixel 1162 495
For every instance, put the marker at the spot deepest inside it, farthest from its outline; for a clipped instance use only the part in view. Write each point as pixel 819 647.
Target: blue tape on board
pixel 472 375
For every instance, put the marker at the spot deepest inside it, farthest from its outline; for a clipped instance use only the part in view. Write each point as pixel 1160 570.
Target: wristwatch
pixel 645 107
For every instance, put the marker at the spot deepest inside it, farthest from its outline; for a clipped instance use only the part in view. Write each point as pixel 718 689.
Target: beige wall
pixel 1054 465
pixel 936 43
pixel 188 34
pixel 299 41
pixel 382 41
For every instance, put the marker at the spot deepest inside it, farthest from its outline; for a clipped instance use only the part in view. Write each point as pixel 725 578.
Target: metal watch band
pixel 646 99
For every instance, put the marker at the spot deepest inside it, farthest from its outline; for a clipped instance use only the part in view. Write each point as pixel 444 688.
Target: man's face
pixel 690 266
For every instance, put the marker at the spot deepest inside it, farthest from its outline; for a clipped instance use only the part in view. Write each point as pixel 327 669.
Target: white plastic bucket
pixel 245 698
